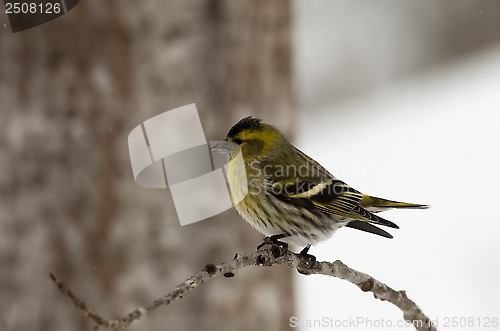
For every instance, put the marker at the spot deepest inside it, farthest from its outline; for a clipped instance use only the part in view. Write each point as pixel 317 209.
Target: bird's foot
pixel 307 259
pixel 275 240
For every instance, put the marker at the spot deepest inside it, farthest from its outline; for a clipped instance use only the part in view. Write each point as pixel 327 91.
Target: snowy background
pixel 388 114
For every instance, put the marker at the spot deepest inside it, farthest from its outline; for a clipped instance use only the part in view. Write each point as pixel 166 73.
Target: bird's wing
pixel 318 190
pixel 367 227
pixel 332 197
pixel 323 197
pixel 329 196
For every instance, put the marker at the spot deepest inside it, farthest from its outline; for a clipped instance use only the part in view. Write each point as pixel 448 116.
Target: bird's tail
pixel 375 204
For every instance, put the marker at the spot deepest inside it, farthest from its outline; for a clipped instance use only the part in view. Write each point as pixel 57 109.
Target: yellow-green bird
pixel 288 194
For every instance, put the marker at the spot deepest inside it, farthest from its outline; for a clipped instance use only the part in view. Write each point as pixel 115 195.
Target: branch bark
pixel 268 254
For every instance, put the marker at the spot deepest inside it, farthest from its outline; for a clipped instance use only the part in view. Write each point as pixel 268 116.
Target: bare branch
pixel 267 255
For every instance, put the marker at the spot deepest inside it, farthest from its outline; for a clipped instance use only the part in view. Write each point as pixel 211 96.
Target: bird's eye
pixel 238 141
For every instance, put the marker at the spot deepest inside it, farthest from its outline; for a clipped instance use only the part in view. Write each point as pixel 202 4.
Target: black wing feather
pixel 367 227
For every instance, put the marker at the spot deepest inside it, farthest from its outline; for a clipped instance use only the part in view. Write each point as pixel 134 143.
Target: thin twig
pixel 267 255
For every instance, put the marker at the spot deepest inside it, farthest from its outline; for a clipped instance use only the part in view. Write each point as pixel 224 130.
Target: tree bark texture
pixel 70 92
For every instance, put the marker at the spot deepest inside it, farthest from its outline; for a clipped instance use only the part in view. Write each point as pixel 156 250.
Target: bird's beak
pixel 224 147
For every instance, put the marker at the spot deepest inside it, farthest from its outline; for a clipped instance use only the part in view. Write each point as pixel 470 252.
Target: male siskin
pixel 286 193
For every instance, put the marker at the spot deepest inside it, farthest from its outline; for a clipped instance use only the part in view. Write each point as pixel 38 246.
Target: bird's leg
pixel 275 240
pixel 308 259
pixel 305 250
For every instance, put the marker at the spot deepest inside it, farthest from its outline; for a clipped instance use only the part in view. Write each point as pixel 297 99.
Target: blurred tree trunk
pixel 71 90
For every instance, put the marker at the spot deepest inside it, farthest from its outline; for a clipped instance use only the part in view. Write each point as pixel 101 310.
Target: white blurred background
pixel 398 101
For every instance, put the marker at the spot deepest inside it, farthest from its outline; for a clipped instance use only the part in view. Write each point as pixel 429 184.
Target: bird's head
pixel 255 139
